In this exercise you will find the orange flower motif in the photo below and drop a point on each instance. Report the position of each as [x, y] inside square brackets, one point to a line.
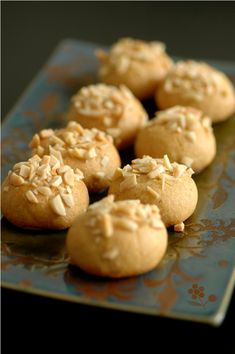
[196, 291]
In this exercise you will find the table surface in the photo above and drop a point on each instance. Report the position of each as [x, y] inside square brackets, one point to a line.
[30, 31]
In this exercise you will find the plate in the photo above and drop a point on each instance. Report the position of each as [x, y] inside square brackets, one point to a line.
[196, 278]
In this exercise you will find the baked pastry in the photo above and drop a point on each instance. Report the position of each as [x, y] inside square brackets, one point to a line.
[157, 181]
[183, 133]
[90, 150]
[135, 63]
[198, 85]
[43, 194]
[117, 239]
[112, 109]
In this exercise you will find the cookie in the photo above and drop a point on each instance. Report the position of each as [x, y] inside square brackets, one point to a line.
[158, 181]
[111, 109]
[90, 150]
[117, 239]
[198, 85]
[139, 65]
[42, 193]
[183, 133]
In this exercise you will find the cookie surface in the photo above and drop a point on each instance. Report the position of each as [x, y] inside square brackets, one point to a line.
[43, 194]
[157, 181]
[117, 239]
[89, 150]
[183, 133]
[196, 84]
[112, 109]
[139, 65]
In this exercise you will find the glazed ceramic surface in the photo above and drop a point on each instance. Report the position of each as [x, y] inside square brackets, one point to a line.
[196, 277]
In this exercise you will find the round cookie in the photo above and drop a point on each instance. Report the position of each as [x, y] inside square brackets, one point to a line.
[183, 133]
[112, 109]
[117, 239]
[89, 150]
[198, 85]
[139, 65]
[43, 194]
[157, 181]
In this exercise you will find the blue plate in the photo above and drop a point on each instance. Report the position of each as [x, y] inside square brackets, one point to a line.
[196, 278]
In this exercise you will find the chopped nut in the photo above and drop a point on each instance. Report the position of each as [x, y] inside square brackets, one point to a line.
[156, 172]
[35, 141]
[99, 175]
[179, 227]
[24, 171]
[92, 153]
[31, 197]
[63, 169]
[58, 206]
[69, 177]
[153, 192]
[107, 225]
[40, 150]
[56, 154]
[117, 174]
[167, 163]
[16, 180]
[68, 199]
[56, 181]
[125, 224]
[129, 182]
[46, 133]
[112, 254]
[46, 160]
[44, 190]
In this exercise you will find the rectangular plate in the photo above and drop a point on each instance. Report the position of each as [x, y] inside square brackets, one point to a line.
[196, 278]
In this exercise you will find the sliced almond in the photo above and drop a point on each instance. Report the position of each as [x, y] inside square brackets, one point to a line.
[16, 180]
[167, 163]
[179, 227]
[24, 171]
[111, 254]
[31, 197]
[69, 177]
[129, 182]
[44, 190]
[35, 141]
[56, 181]
[153, 192]
[68, 199]
[92, 153]
[46, 133]
[58, 206]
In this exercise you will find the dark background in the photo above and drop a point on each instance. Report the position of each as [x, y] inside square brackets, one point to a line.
[30, 31]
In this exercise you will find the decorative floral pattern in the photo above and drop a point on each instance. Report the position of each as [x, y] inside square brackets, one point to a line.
[41, 258]
[197, 293]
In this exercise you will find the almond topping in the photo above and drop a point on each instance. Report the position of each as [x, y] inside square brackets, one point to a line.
[105, 161]
[167, 163]
[125, 224]
[31, 197]
[58, 206]
[153, 192]
[35, 141]
[16, 180]
[24, 171]
[44, 190]
[107, 225]
[191, 136]
[112, 254]
[56, 181]
[92, 153]
[69, 177]
[179, 227]
[46, 133]
[129, 182]
[68, 200]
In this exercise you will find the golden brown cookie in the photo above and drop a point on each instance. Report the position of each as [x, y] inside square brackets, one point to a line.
[198, 85]
[43, 194]
[117, 239]
[112, 109]
[157, 181]
[183, 133]
[90, 150]
[139, 65]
